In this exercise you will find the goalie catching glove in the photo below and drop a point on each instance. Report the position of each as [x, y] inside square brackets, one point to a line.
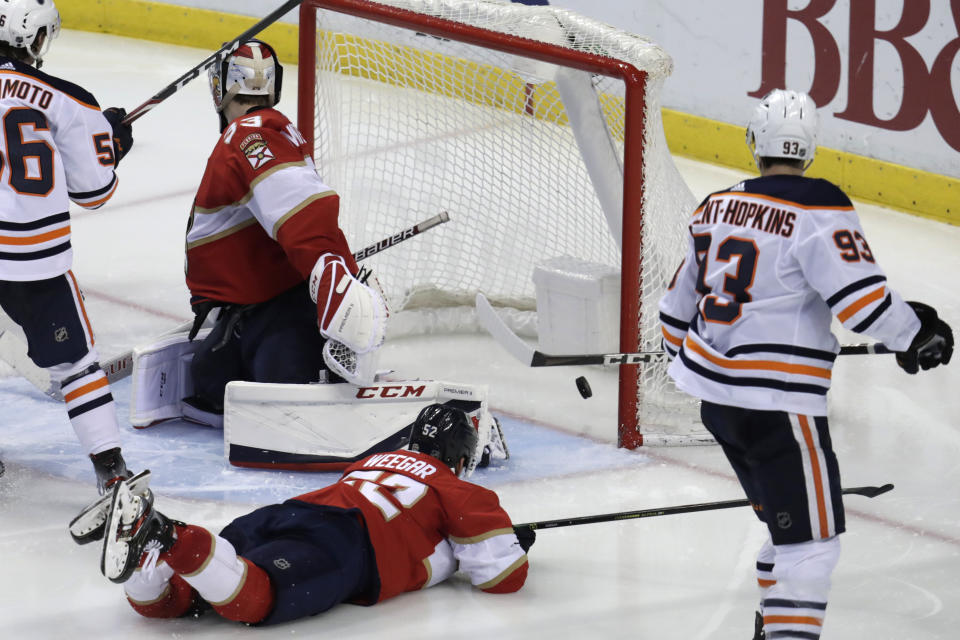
[348, 311]
[933, 344]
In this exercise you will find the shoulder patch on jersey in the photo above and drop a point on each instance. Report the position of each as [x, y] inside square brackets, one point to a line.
[256, 150]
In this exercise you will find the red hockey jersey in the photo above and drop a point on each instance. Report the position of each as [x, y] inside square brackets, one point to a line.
[423, 521]
[262, 216]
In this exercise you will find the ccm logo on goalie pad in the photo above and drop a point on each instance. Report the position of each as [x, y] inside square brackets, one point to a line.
[394, 391]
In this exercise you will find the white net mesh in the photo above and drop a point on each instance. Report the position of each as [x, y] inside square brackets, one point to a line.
[408, 125]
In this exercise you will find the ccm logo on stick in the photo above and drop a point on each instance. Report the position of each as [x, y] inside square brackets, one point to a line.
[394, 391]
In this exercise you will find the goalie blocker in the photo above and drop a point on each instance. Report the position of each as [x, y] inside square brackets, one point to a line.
[326, 427]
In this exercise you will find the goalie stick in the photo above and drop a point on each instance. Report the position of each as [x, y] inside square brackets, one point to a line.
[519, 349]
[869, 492]
[215, 59]
[14, 352]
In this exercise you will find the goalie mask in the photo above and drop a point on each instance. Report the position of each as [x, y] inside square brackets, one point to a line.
[30, 25]
[784, 125]
[447, 434]
[252, 70]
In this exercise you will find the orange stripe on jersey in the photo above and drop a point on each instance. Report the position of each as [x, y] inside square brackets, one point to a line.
[671, 339]
[83, 310]
[766, 583]
[873, 296]
[87, 388]
[767, 365]
[97, 203]
[760, 196]
[792, 620]
[37, 239]
[817, 480]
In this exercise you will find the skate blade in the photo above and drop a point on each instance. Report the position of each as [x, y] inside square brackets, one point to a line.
[88, 526]
[115, 561]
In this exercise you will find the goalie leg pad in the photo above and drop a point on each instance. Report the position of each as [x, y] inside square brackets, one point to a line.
[328, 427]
[162, 378]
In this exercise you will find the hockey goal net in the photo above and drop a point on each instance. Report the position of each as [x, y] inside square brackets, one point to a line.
[537, 129]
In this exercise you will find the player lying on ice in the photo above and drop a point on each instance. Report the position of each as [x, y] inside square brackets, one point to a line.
[394, 522]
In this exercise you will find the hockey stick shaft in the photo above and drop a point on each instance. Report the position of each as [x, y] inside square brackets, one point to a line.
[869, 492]
[215, 59]
[495, 326]
[406, 234]
[13, 351]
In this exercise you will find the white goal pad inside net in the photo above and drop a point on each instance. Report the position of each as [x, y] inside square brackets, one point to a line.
[531, 126]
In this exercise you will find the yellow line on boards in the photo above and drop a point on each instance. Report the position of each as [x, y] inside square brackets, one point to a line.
[922, 193]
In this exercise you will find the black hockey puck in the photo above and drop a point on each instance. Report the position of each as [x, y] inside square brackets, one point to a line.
[584, 387]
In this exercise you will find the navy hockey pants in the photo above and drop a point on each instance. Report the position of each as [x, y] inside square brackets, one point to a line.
[52, 316]
[786, 466]
[275, 341]
[316, 556]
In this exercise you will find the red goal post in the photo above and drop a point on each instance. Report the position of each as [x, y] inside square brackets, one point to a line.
[443, 21]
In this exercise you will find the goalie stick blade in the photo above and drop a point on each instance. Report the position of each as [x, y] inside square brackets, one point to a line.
[506, 338]
[90, 523]
[13, 351]
[490, 320]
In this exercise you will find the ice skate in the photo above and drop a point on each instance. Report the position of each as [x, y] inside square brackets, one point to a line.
[90, 523]
[133, 526]
[496, 446]
[109, 466]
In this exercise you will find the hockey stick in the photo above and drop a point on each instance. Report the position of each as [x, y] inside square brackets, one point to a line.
[519, 349]
[215, 59]
[406, 234]
[14, 352]
[869, 492]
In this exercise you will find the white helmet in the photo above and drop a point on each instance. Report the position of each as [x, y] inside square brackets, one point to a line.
[22, 22]
[252, 70]
[784, 125]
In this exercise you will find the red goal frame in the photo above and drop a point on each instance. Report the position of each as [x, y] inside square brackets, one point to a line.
[635, 81]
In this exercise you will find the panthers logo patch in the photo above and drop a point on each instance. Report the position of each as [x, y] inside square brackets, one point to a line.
[255, 148]
[258, 154]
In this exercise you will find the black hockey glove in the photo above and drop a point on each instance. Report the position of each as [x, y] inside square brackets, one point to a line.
[122, 133]
[527, 536]
[933, 344]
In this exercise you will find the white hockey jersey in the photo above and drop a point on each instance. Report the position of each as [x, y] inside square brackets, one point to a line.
[747, 316]
[57, 147]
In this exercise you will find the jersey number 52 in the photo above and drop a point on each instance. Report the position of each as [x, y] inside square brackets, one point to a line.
[389, 492]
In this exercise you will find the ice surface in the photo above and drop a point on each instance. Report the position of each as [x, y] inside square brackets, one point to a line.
[685, 577]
